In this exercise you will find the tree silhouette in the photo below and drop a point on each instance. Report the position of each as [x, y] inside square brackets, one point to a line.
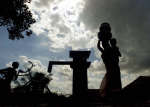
[16, 16]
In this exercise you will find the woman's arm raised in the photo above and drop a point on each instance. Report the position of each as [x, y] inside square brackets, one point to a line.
[99, 47]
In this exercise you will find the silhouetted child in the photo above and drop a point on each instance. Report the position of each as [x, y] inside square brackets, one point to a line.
[116, 79]
[10, 74]
[104, 34]
[115, 50]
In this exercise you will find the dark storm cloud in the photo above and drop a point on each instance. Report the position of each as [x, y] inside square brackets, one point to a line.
[130, 21]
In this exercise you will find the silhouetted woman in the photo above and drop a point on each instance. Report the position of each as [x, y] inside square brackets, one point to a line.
[110, 55]
[106, 84]
[104, 34]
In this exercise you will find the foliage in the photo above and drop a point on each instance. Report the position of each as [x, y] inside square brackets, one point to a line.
[16, 16]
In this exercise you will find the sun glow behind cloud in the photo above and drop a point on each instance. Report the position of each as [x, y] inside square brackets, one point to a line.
[60, 23]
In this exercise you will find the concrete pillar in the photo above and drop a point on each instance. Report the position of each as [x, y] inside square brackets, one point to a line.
[80, 66]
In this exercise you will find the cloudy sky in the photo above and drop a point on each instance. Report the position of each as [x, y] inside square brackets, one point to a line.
[64, 25]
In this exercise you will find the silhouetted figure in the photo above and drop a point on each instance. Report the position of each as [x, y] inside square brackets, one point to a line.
[115, 54]
[110, 55]
[104, 33]
[106, 86]
[10, 74]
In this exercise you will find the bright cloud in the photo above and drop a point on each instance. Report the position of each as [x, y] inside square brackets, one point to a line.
[59, 22]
